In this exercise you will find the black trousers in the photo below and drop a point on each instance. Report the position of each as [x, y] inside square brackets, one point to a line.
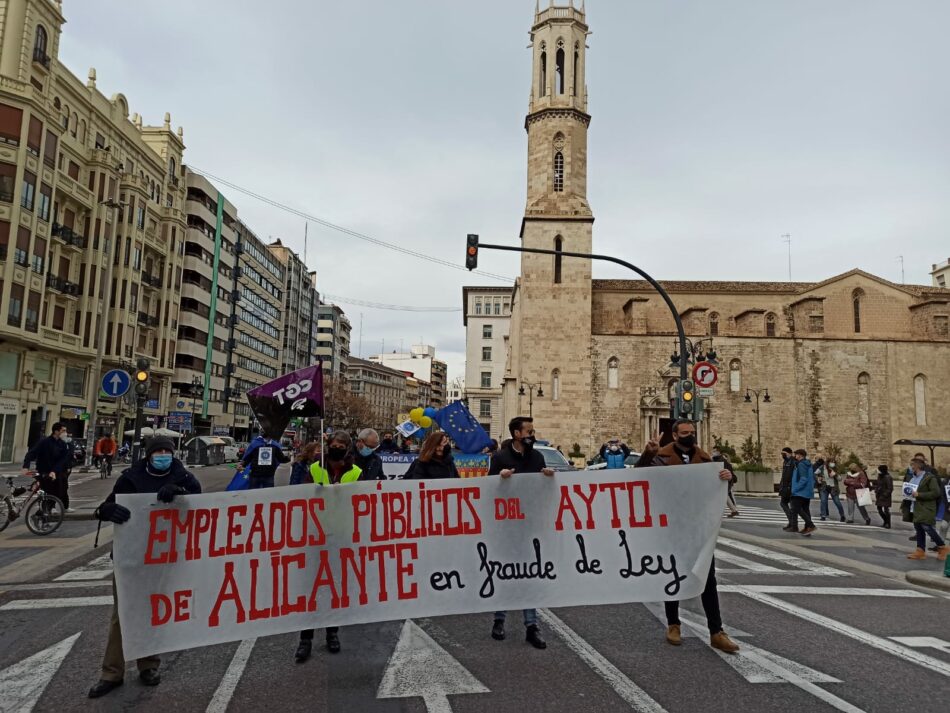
[710, 600]
[785, 501]
[801, 507]
[307, 634]
[885, 512]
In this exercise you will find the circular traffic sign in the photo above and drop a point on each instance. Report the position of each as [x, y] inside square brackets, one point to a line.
[115, 383]
[705, 374]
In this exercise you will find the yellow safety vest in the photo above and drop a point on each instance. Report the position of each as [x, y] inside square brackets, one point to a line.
[322, 477]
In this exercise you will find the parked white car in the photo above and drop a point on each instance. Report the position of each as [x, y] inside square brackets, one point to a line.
[231, 448]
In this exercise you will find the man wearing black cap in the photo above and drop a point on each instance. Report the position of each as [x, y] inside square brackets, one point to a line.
[161, 473]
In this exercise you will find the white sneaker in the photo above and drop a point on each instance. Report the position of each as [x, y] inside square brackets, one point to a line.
[69, 510]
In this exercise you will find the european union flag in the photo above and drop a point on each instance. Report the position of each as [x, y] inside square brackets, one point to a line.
[468, 434]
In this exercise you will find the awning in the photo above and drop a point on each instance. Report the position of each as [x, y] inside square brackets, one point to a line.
[926, 443]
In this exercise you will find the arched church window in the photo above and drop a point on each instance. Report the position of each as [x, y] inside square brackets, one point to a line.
[856, 298]
[559, 67]
[575, 77]
[920, 399]
[613, 373]
[770, 325]
[556, 385]
[864, 397]
[558, 246]
[559, 163]
[543, 72]
[714, 324]
[735, 375]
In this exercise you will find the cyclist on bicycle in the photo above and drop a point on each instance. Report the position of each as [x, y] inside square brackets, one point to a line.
[105, 449]
[52, 455]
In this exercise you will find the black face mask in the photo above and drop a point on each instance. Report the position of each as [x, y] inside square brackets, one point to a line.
[686, 442]
[336, 453]
[528, 442]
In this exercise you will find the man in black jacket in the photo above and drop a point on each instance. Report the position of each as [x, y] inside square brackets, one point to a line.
[519, 456]
[163, 474]
[263, 456]
[53, 458]
[369, 462]
[785, 487]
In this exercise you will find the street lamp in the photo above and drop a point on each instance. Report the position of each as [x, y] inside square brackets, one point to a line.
[532, 389]
[695, 352]
[764, 392]
[197, 387]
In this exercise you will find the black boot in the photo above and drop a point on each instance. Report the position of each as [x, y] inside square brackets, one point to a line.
[103, 687]
[533, 637]
[333, 642]
[498, 630]
[303, 650]
[150, 677]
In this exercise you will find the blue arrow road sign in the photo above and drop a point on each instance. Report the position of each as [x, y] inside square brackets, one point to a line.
[116, 382]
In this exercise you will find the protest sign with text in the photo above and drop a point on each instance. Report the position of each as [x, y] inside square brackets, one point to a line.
[222, 567]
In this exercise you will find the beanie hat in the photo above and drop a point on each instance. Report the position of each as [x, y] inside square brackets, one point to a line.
[159, 443]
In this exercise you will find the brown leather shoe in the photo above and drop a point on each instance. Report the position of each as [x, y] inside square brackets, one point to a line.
[918, 554]
[943, 552]
[673, 635]
[722, 642]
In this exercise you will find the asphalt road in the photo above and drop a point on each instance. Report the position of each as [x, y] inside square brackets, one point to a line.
[817, 619]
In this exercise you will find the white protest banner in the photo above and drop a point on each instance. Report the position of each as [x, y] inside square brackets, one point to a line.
[222, 567]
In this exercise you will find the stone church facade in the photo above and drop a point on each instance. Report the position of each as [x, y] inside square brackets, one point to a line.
[854, 360]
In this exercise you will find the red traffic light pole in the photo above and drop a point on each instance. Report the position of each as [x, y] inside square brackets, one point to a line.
[617, 261]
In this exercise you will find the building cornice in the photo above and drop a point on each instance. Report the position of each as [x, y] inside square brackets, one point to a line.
[556, 112]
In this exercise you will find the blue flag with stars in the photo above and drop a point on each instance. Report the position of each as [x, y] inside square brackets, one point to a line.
[459, 423]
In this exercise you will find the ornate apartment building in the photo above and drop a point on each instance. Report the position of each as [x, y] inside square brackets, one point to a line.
[487, 320]
[66, 150]
[382, 387]
[301, 301]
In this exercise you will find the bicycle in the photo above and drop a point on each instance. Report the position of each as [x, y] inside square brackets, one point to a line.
[105, 466]
[43, 512]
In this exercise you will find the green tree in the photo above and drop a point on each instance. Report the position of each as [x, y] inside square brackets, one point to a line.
[726, 448]
[751, 451]
[833, 453]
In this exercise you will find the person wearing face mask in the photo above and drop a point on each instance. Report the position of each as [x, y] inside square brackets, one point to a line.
[718, 457]
[883, 490]
[367, 443]
[614, 452]
[161, 473]
[53, 458]
[857, 478]
[337, 469]
[518, 456]
[684, 451]
[435, 459]
[831, 488]
[785, 486]
[922, 493]
[300, 471]
[803, 490]
[263, 456]
[388, 444]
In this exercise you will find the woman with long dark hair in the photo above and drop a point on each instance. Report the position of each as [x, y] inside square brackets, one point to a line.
[300, 472]
[435, 459]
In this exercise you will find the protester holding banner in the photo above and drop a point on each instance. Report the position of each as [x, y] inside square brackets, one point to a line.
[339, 469]
[369, 462]
[435, 459]
[684, 451]
[518, 456]
[300, 471]
[166, 476]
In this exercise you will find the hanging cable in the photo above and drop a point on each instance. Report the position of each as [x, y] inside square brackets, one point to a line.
[396, 308]
[346, 231]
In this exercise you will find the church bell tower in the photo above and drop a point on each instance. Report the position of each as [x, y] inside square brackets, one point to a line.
[551, 339]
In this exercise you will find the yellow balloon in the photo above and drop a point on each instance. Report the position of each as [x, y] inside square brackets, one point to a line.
[425, 422]
[415, 415]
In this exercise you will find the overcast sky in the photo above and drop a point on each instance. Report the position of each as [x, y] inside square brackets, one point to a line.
[717, 127]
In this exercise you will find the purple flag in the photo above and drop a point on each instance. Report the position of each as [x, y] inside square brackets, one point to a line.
[295, 395]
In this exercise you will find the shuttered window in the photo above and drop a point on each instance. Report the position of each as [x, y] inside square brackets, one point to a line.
[11, 121]
[35, 136]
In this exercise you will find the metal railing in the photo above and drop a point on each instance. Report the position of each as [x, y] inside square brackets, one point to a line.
[69, 236]
[41, 57]
[62, 286]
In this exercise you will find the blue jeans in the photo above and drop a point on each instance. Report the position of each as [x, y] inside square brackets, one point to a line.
[258, 483]
[530, 616]
[823, 494]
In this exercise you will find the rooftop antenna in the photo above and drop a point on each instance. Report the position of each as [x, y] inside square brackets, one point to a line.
[787, 238]
[900, 259]
[361, 335]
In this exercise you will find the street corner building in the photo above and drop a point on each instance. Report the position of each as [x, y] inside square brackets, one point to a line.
[854, 359]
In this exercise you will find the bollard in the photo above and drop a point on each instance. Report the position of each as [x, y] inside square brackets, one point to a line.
[946, 567]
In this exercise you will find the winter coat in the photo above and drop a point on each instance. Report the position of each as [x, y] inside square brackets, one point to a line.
[432, 469]
[507, 458]
[785, 484]
[300, 473]
[260, 467]
[137, 479]
[615, 459]
[883, 490]
[929, 494]
[832, 483]
[803, 480]
[855, 481]
[51, 455]
[371, 465]
[671, 455]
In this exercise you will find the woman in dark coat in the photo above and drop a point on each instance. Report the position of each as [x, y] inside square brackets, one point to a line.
[435, 459]
[883, 489]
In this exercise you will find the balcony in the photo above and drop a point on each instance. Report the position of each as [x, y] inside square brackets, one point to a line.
[147, 320]
[41, 58]
[150, 280]
[64, 287]
[173, 181]
[69, 237]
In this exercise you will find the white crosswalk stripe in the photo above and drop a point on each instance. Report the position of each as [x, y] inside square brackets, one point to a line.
[774, 515]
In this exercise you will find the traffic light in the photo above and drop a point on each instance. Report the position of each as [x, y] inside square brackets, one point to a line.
[142, 367]
[685, 400]
[471, 252]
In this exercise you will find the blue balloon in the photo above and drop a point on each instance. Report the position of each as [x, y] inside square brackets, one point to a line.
[430, 412]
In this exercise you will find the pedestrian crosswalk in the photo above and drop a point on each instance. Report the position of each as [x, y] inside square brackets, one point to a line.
[773, 514]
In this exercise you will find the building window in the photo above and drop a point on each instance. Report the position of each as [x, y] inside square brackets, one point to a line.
[43, 370]
[486, 331]
[856, 298]
[556, 385]
[9, 370]
[15, 312]
[942, 325]
[34, 136]
[32, 322]
[46, 197]
[484, 408]
[864, 398]
[478, 306]
[714, 324]
[558, 247]
[613, 373]
[486, 379]
[735, 376]
[816, 323]
[558, 172]
[11, 121]
[770, 325]
[75, 382]
[920, 399]
[7, 182]
[543, 73]
[39, 255]
[21, 252]
[28, 190]
[40, 43]
[486, 353]
[559, 69]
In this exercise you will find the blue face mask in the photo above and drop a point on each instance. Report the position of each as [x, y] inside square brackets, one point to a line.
[161, 462]
[366, 451]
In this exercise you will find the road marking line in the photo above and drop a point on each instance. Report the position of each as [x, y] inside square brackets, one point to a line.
[99, 568]
[890, 647]
[748, 564]
[225, 691]
[765, 661]
[787, 559]
[64, 603]
[22, 684]
[636, 697]
[841, 591]
[795, 572]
